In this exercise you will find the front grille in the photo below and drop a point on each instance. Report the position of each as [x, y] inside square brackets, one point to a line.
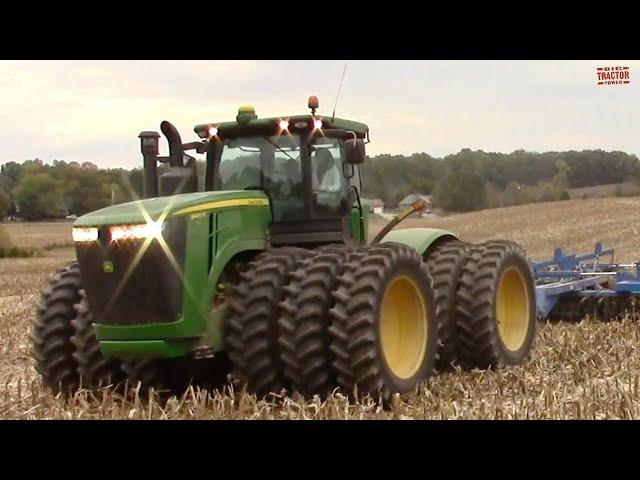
[150, 293]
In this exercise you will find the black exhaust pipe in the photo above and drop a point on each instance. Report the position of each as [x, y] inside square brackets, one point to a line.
[175, 144]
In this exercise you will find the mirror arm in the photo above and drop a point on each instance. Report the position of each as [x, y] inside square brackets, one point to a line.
[345, 170]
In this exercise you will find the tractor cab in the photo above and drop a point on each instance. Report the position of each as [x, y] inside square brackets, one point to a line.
[307, 165]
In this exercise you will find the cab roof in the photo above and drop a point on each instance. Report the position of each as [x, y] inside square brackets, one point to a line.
[270, 125]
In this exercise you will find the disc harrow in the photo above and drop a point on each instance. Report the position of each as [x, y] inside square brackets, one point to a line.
[575, 287]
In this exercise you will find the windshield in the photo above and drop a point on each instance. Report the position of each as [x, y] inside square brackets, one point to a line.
[274, 164]
[271, 164]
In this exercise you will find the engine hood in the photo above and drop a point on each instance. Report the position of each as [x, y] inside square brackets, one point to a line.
[185, 204]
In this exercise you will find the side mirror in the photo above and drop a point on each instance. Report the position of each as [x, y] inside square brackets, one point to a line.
[354, 151]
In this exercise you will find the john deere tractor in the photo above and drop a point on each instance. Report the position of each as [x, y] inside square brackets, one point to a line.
[262, 269]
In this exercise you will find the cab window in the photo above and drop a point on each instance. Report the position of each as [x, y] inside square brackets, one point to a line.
[328, 184]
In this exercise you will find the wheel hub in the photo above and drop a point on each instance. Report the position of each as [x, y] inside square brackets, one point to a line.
[512, 309]
[403, 326]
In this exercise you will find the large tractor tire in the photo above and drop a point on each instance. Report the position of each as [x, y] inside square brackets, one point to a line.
[384, 329]
[253, 332]
[445, 264]
[51, 333]
[495, 306]
[238, 294]
[304, 322]
[95, 369]
[64, 345]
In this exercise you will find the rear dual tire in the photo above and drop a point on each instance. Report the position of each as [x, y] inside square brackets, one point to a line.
[495, 306]
[383, 326]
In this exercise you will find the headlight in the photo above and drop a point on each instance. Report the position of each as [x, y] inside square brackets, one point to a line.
[84, 234]
[138, 231]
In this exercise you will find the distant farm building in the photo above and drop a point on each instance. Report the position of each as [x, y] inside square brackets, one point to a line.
[409, 200]
[375, 204]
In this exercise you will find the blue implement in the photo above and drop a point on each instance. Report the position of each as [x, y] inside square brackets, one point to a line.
[569, 277]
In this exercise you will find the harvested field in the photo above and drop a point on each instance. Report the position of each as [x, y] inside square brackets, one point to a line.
[586, 370]
[540, 227]
[40, 234]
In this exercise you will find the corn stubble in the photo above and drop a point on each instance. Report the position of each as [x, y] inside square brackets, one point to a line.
[585, 370]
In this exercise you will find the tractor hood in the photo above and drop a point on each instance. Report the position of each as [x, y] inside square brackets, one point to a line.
[185, 204]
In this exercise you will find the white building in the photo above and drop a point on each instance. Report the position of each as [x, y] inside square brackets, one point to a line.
[375, 204]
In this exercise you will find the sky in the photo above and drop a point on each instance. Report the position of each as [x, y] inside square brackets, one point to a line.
[93, 110]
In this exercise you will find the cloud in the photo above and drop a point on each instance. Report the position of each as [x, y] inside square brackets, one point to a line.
[93, 110]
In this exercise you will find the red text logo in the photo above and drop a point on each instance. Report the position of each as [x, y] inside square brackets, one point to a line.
[612, 75]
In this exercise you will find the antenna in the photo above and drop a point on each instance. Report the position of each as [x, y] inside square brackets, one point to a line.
[339, 90]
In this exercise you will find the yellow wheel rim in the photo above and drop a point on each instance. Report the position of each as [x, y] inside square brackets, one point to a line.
[512, 309]
[403, 326]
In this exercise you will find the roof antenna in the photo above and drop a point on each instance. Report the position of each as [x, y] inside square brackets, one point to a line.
[338, 95]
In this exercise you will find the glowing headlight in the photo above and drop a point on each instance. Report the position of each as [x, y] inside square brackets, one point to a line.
[139, 231]
[84, 234]
[317, 124]
[212, 131]
[283, 124]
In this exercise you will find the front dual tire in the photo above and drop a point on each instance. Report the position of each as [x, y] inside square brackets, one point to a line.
[67, 353]
[63, 345]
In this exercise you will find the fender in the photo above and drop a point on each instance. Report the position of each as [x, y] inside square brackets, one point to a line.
[421, 239]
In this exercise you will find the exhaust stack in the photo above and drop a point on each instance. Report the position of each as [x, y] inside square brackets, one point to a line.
[149, 148]
[175, 143]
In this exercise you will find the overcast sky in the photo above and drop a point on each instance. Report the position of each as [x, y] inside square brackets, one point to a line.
[93, 110]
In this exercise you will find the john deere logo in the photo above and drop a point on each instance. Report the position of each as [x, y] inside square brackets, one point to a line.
[107, 266]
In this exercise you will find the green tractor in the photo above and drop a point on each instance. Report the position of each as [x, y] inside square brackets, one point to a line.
[262, 269]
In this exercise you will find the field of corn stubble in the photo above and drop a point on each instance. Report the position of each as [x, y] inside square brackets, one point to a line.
[587, 370]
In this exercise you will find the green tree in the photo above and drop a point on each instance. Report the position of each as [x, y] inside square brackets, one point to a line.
[461, 192]
[512, 195]
[38, 196]
[548, 193]
[10, 174]
[5, 204]
[85, 191]
[136, 182]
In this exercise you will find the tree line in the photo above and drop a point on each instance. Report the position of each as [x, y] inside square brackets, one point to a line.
[464, 181]
[34, 190]
[474, 179]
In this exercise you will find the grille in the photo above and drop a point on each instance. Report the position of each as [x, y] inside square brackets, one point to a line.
[152, 291]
